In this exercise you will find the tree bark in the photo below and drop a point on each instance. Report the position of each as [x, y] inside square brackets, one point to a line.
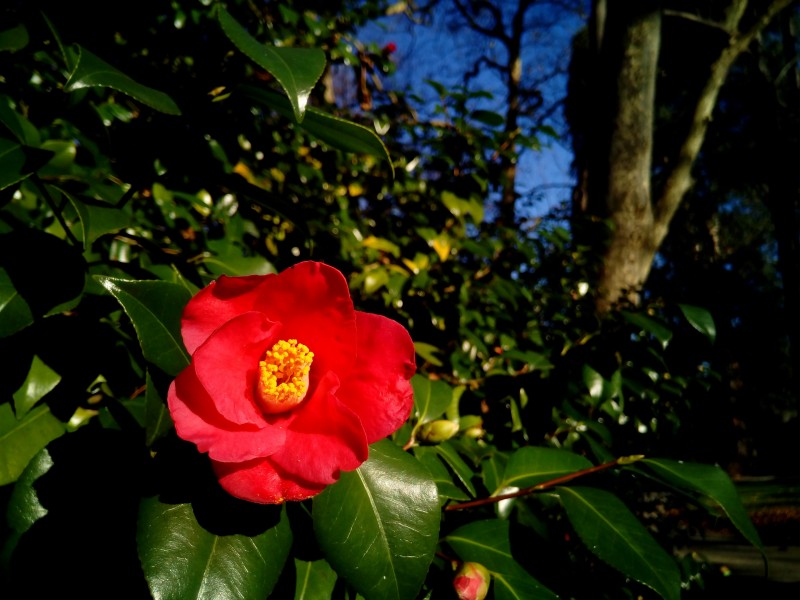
[615, 173]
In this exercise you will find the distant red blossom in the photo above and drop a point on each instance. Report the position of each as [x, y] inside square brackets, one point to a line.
[288, 384]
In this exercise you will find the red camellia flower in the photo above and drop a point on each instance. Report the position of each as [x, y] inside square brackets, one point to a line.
[288, 384]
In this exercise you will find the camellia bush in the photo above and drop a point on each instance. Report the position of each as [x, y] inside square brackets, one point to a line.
[250, 349]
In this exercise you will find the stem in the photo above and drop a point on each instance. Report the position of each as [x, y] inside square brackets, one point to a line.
[624, 460]
[56, 211]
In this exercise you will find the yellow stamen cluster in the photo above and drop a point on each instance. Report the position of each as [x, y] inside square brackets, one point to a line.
[283, 376]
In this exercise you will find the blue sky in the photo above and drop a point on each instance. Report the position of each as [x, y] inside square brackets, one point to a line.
[436, 51]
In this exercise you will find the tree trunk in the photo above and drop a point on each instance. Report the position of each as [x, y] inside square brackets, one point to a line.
[612, 119]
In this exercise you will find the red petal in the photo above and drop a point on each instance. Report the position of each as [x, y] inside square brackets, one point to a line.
[312, 302]
[216, 304]
[378, 390]
[311, 299]
[197, 421]
[323, 437]
[227, 366]
[259, 481]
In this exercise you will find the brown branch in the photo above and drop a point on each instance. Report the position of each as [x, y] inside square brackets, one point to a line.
[679, 179]
[624, 460]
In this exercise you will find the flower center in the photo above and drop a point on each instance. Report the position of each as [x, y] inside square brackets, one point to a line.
[283, 376]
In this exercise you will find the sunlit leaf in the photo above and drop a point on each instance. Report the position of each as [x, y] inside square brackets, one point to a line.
[296, 69]
[24, 508]
[428, 352]
[40, 381]
[431, 397]
[610, 530]
[378, 525]
[21, 440]
[183, 561]
[710, 481]
[92, 71]
[155, 309]
[533, 465]
[337, 133]
[429, 457]
[15, 314]
[315, 580]
[461, 208]
[487, 542]
[97, 218]
[701, 320]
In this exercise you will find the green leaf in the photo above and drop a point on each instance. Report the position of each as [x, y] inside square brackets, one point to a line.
[40, 381]
[15, 313]
[429, 457]
[701, 320]
[533, 465]
[651, 326]
[181, 560]
[487, 542]
[337, 133]
[710, 481]
[378, 525]
[155, 308]
[615, 535]
[431, 397]
[461, 208]
[97, 218]
[12, 163]
[14, 39]
[296, 69]
[21, 440]
[488, 118]
[157, 420]
[462, 470]
[315, 580]
[24, 508]
[92, 71]
[428, 353]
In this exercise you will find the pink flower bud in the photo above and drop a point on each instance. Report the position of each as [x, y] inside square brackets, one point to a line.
[472, 581]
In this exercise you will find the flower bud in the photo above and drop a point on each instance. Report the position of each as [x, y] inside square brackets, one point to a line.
[472, 581]
[436, 432]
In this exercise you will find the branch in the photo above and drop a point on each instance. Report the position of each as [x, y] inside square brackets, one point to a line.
[624, 460]
[679, 179]
[498, 31]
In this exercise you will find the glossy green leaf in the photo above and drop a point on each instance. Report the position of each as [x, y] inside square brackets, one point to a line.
[700, 319]
[431, 397]
[462, 470]
[97, 218]
[710, 481]
[378, 525]
[155, 309]
[12, 163]
[655, 328]
[183, 561]
[315, 580]
[610, 530]
[24, 508]
[337, 133]
[92, 71]
[15, 313]
[21, 440]
[157, 420]
[296, 69]
[487, 542]
[40, 381]
[533, 465]
[429, 457]
[14, 39]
